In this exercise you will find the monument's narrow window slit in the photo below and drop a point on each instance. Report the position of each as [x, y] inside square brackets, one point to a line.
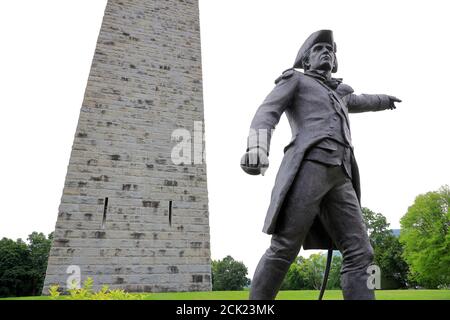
[105, 209]
[170, 212]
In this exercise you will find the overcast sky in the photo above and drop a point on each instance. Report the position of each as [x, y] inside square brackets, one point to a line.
[399, 48]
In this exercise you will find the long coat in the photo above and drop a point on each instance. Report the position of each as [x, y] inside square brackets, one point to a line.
[310, 107]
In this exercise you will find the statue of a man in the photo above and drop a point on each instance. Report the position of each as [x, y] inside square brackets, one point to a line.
[315, 202]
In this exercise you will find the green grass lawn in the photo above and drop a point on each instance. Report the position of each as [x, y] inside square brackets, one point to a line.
[285, 295]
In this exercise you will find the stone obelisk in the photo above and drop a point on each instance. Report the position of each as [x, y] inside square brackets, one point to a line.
[130, 216]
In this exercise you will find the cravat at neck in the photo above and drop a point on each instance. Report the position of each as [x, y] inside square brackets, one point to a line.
[333, 83]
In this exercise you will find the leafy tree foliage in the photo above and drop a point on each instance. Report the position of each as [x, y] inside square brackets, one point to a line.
[388, 251]
[377, 226]
[39, 249]
[229, 274]
[334, 278]
[295, 278]
[23, 265]
[314, 268]
[307, 273]
[426, 238]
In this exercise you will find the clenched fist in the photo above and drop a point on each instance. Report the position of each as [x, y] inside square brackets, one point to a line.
[255, 161]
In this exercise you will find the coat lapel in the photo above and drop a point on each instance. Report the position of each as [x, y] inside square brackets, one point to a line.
[339, 106]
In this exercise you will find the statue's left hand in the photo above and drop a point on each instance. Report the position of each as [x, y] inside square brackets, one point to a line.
[392, 101]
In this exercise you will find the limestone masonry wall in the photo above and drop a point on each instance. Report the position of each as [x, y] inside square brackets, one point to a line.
[129, 217]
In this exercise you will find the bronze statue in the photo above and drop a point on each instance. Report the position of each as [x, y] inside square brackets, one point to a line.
[315, 202]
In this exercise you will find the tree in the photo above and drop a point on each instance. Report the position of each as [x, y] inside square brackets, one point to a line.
[314, 268]
[14, 268]
[228, 274]
[426, 238]
[394, 269]
[39, 247]
[307, 273]
[334, 279]
[295, 278]
[387, 251]
[376, 225]
[23, 266]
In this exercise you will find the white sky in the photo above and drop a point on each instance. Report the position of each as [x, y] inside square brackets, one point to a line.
[399, 48]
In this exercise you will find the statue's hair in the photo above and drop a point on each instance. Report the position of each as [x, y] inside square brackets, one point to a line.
[306, 59]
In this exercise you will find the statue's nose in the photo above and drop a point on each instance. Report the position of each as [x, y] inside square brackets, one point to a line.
[327, 52]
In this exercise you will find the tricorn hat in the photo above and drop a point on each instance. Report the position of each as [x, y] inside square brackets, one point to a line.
[316, 37]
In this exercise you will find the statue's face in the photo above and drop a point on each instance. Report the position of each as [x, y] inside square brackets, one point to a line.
[321, 57]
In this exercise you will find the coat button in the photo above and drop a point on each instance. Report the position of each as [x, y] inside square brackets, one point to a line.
[335, 118]
[330, 133]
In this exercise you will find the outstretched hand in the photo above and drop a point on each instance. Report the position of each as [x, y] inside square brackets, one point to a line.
[392, 101]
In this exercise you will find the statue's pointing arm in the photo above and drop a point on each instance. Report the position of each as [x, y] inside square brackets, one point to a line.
[370, 102]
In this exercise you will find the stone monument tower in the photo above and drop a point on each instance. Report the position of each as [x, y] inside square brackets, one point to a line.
[130, 216]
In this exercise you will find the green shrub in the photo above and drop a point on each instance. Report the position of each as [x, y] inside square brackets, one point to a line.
[54, 292]
[86, 292]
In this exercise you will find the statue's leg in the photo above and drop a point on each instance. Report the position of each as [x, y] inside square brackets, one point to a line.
[301, 206]
[343, 221]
